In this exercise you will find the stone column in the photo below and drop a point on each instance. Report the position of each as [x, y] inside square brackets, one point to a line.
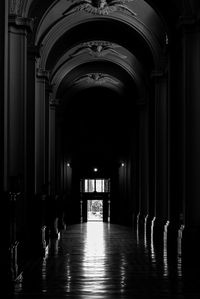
[109, 208]
[4, 221]
[33, 55]
[190, 31]
[143, 167]
[52, 139]
[161, 152]
[15, 123]
[81, 210]
[3, 92]
[40, 129]
[17, 89]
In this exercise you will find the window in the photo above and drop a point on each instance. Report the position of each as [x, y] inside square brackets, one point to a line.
[96, 185]
[100, 185]
[89, 186]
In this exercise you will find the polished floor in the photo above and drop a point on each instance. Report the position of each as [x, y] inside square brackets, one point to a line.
[96, 260]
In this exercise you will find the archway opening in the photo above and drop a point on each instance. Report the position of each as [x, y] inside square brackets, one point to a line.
[95, 210]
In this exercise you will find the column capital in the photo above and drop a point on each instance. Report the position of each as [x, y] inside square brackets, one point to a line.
[158, 74]
[53, 103]
[188, 24]
[42, 74]
[20, 22]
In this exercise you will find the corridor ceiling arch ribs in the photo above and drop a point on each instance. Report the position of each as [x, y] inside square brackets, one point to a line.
[73, 72]
[97, 50]
[64, 32]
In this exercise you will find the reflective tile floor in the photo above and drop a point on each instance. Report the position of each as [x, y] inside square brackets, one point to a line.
[96, 260]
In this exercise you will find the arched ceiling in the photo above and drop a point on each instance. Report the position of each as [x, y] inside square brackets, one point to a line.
[100, 54]
[72, 33]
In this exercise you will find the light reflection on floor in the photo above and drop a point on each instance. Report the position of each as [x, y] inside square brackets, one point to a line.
[94, 259]
[97, 260]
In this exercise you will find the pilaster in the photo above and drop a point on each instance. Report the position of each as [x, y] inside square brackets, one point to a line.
[52, 139]
[33, 53]
[143, 167]
[189, 30]
[17, 95]
[41, 100]
[161, 204]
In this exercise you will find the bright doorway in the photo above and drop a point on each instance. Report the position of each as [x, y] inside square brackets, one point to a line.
[95, 210]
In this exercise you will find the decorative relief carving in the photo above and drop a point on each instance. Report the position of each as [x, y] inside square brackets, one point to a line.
[99, 7]
[96, 78]
[16, 7]
[98, 49]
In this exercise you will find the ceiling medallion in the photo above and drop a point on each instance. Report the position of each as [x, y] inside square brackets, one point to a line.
[99, 7]
[96, 78]
[98, 49]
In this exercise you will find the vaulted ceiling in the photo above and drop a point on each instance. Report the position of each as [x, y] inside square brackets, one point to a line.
[100, 56]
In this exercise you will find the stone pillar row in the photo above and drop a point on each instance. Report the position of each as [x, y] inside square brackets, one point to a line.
[176, 202]
[29, 141]
[17, 102]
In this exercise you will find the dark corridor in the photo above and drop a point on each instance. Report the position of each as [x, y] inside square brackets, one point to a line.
[100, 89]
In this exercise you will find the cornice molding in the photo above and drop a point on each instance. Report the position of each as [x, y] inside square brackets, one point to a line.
[42, 74]
[20, 22]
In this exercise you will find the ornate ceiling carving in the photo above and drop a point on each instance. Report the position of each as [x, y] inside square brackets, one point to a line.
[99, 7]
[137, 18]
[96, 79]
[98, 49]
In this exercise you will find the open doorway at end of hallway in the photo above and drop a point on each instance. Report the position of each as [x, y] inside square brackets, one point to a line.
[95, 210]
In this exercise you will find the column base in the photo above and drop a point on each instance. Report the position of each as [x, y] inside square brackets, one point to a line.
[171, 235]
[148, 226]
[143, 226]
[140, 224]
[157, 229]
